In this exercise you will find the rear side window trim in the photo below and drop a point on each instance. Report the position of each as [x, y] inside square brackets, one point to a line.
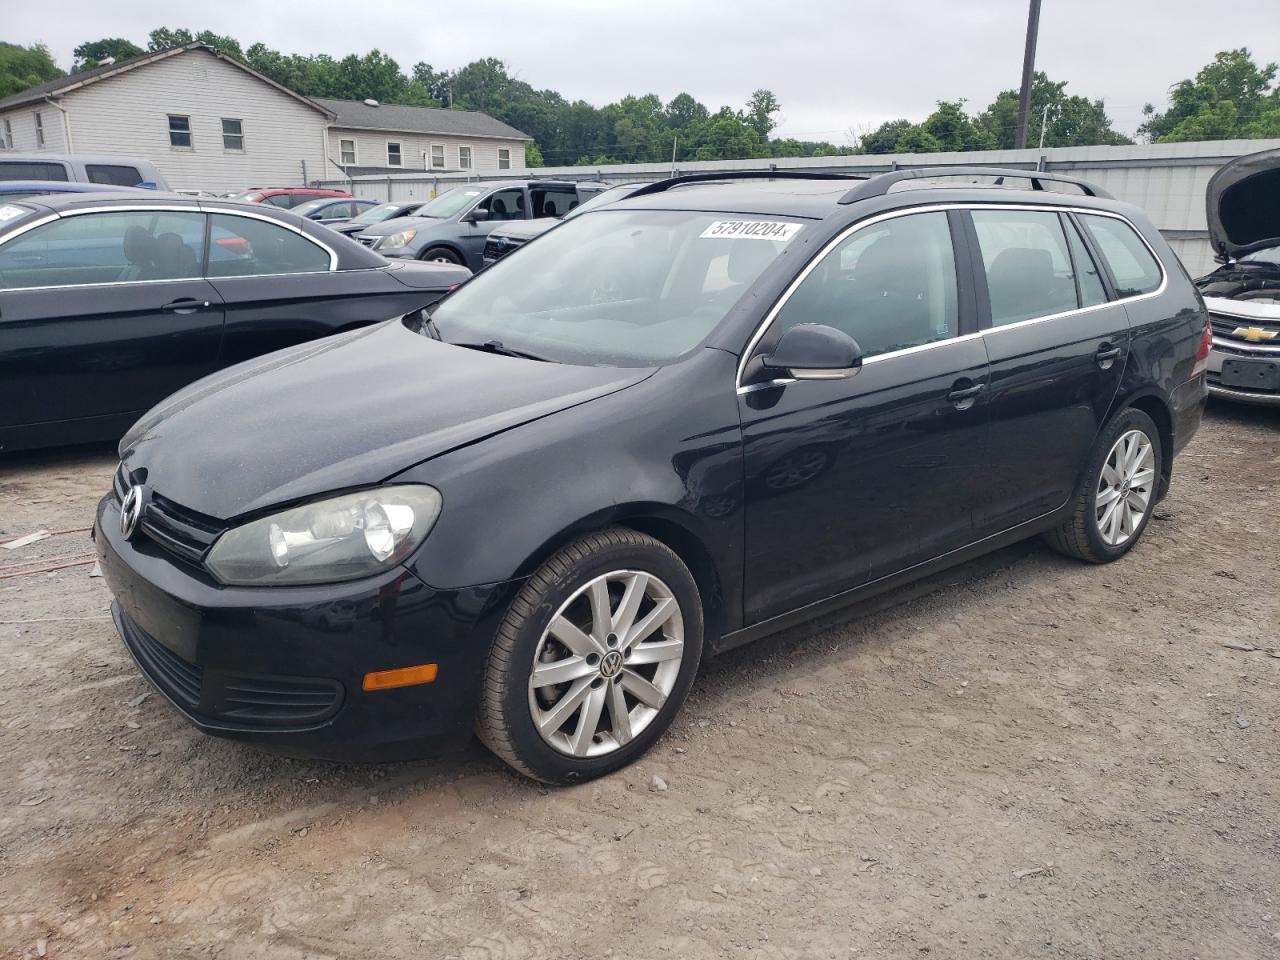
[839, 238]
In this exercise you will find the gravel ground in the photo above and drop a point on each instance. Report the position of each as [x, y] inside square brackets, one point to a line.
[1031, 758]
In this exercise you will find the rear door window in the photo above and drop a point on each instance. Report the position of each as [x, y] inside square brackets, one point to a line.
[119, 175]
[1028, 268]
[247, 247]
[1088, 278]
[1131, 263]
[31, 170]
[105, 248]
[553, 202]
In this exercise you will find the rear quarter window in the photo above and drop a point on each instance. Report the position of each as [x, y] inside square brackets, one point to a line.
[32, 170]
[118, 175]
[1132, 265]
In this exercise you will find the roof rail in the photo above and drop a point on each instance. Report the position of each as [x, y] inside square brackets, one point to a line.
[661, 186]
[879, 185]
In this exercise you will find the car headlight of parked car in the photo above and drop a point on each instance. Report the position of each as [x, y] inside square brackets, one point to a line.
[341, 538]
[398, 240]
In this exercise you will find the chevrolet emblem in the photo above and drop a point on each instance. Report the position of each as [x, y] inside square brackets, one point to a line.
[1254, 334]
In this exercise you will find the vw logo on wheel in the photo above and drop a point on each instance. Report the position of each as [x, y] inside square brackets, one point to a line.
[611, 664]
[135, 501]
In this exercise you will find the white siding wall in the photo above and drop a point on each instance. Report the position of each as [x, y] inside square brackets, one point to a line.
[127, 115]
[371, 150]
[22, 122]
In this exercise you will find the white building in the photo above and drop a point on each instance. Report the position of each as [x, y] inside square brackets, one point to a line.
[209, 122]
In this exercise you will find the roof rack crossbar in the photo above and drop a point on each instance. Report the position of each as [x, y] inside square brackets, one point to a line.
[661, 186]
[879, 185]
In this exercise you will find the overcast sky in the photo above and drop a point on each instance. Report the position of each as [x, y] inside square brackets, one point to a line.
[835, 65]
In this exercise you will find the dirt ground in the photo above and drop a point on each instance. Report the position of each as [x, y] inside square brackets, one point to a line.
[1037, 758]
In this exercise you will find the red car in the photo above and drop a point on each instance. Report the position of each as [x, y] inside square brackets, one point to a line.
[286, 197]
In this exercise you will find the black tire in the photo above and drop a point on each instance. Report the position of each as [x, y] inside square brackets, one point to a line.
[504, 721]
[441, 254]
[1079, 536]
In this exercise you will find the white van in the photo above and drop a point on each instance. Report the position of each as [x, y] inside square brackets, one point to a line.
[118, 171]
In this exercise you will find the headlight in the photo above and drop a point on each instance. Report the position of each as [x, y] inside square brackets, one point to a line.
[398, 240]
[341, 538]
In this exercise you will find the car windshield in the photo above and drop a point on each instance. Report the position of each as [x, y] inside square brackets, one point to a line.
[305, 208]
[383, 211]
[447, 204]
[612, 195]
[627, 288]
[1268, 255]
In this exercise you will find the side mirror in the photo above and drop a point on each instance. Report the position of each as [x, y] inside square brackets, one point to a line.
[813, 351]
[478, 215]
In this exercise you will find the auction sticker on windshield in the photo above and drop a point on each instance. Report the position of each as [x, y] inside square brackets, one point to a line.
[778, 231]
[8, 212]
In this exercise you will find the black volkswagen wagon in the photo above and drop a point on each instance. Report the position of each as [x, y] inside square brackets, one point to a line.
[666, 428]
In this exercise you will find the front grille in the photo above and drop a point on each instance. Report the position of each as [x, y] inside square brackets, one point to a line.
[277, 700]
[496, 248]
[172, 674]
[181, 532]
[1225, 327]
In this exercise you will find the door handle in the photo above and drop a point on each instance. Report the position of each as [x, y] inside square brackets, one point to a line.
[185, 305]
[964, 397]
[1106, 355]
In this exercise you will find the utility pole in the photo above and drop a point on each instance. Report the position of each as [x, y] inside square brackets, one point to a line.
[674, 141]
[1028, 72]
[1044, 123]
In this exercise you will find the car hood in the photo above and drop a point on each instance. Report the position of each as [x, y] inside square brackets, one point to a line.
[1242, 204]
[1243, 280]
[526, 229]
[342, 412]
[387, 227]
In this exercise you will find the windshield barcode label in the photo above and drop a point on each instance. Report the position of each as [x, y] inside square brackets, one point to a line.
[775, 230]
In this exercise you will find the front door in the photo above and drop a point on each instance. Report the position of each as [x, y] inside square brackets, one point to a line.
[854, 479]
[1057, 348]
[104, 314]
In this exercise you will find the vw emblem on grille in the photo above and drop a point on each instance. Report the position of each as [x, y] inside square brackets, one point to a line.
[135, 502]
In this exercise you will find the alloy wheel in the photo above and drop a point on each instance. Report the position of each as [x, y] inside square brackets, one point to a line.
[1125, 488]
[606, 663]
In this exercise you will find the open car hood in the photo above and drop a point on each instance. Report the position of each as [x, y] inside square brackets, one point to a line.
[1242, 204]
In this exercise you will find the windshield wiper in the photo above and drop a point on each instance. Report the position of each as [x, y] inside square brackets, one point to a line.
[496, 346]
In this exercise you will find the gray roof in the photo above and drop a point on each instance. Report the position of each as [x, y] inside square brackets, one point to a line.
[75, 80]
[355, 115]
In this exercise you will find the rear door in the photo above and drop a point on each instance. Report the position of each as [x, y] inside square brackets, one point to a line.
[280, 289]
[104, 314]
[1058, 347]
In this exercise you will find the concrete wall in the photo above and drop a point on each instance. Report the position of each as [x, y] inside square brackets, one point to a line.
[1167, 180]
[127, 116]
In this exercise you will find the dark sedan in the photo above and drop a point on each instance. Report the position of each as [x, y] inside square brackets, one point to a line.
[674, 424]
[110, 302]
[332, 211]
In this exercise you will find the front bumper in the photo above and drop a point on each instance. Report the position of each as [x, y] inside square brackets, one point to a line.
[283, 667]
[1223, 352]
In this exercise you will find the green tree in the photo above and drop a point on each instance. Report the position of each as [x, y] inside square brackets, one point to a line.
[23, 67]
[1230, 97]
[532, 155]
[916, 139]
[91, 54]
[952, 128]
[1073, 121]
[684, 111]
[759, 113]
[884, 138]
[162, 38]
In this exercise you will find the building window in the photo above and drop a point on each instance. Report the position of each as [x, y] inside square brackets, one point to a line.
[464, 158]
[6, 135]
[233, 135]
[504, 158]
[394, 159]
[39, 129]
[347, 152]
[437, 156]
[179, 132]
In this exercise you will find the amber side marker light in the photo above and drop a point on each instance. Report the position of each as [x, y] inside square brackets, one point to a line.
[403, 677]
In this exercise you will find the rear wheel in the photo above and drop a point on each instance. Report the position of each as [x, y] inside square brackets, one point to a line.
[440, 255]
[593, 660]
[1117, 493]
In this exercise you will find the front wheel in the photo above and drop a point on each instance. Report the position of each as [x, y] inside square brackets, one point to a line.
[593, 659]
[1117, 493]
[440, 255]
